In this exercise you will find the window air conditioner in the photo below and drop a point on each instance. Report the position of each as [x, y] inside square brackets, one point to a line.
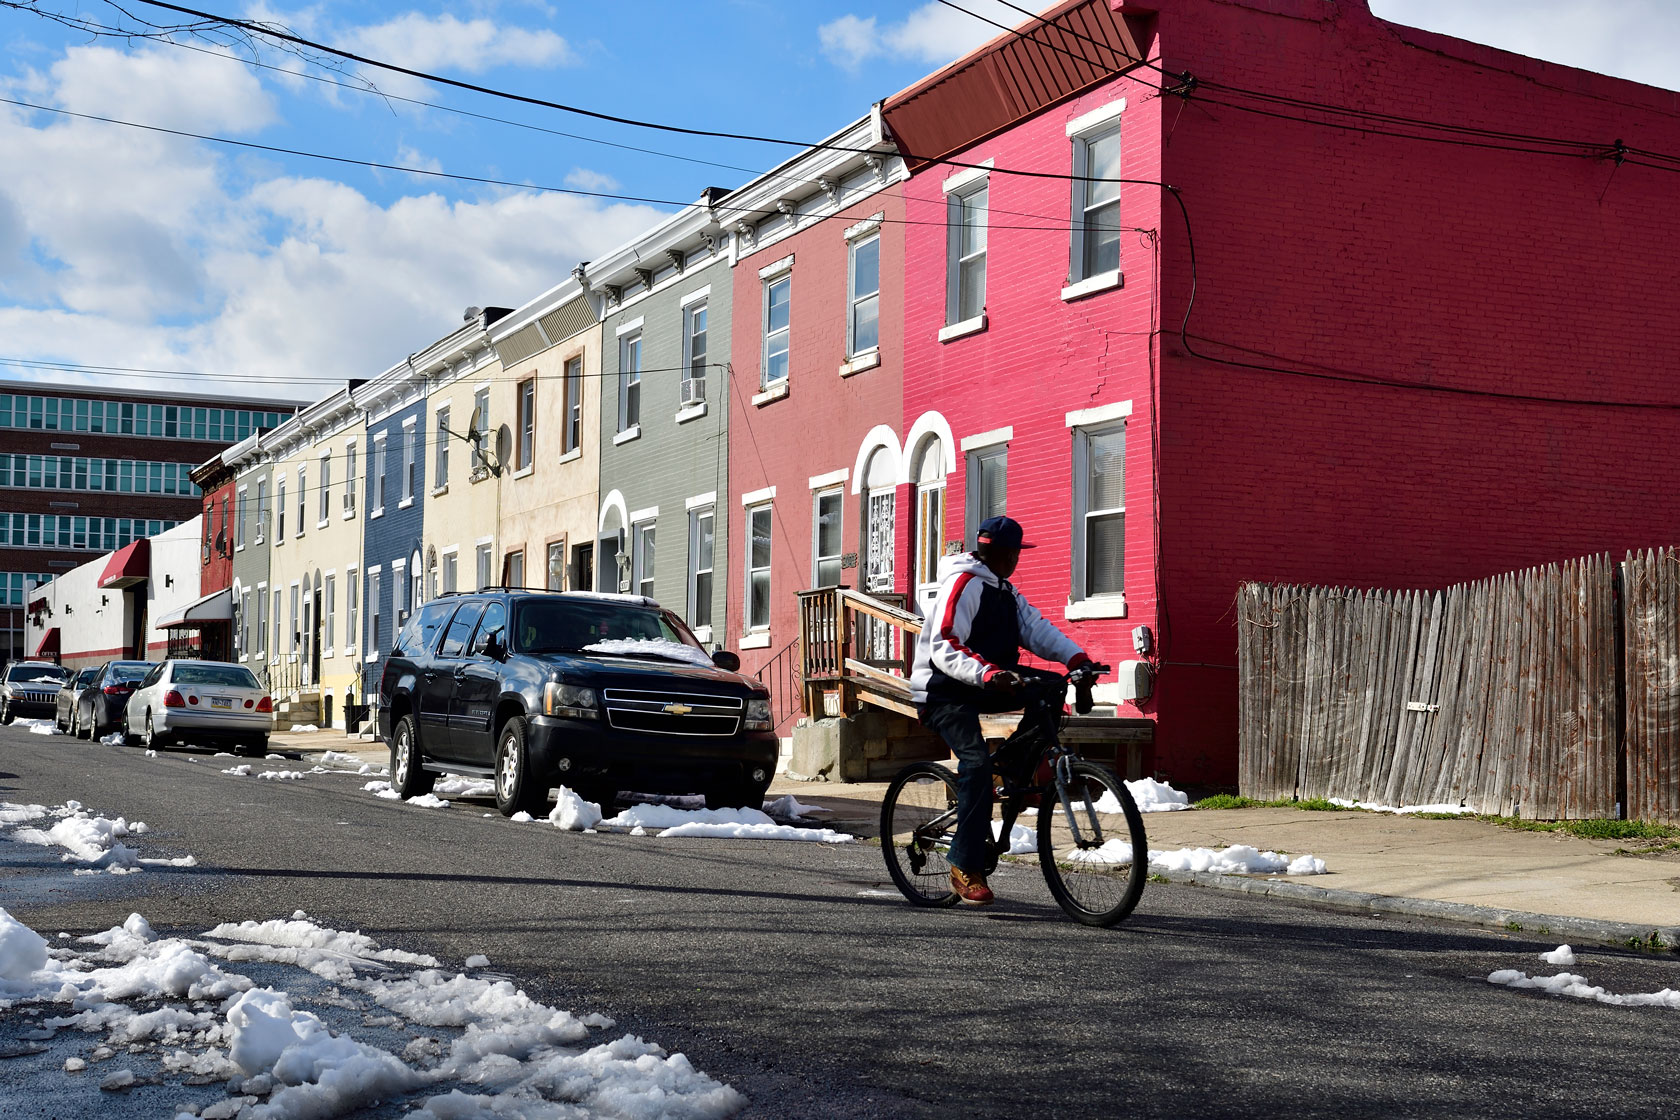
[693, 391]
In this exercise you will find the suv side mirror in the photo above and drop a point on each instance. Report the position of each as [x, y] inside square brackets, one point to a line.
[494, 647]
[727, 661]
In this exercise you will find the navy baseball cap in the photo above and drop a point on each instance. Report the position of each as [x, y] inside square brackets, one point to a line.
[1003, 532]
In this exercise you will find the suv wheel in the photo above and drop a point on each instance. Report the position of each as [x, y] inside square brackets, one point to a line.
[408, 777]
[5, 712]
[517, 789]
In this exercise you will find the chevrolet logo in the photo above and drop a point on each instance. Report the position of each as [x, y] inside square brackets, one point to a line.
[677, 709]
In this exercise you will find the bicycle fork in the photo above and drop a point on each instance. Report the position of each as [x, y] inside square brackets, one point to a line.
[1064, 778]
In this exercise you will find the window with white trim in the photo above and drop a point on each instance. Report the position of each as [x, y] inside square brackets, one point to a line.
[965, 268]
[758, 567]
[350, 479]
[440, 465]
[351, 587]
[701, 548]
[275, 647]
[524, 448]
[326, 487]
[826, 537]
[986, 485]
[261, 627]
[302, 497]
[480, 430]
[262, 508]
[279, 508]
[375, 606]
[451, 560]
[239, 523]
[244, 623]
[292, 627]
[863, 292]
[629, 380]
[376, 480]
[574, 406]
[694, 340]
[329, 604]
[410, 443]
[930, 519]
[1099, 511]
[485, 560]
[642, 557]
[778, 295]
[513, 569]
[1096, 205]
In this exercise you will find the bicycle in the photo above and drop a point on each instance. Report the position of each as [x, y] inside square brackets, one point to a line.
[1090, 838]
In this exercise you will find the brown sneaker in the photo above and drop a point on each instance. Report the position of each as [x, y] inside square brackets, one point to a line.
[971, 890]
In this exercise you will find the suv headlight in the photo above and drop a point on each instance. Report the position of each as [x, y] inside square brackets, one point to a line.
[758, 713]
[570, 700]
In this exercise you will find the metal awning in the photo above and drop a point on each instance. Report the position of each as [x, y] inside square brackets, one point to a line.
[214, 607]
[49, 644]
[128, 566]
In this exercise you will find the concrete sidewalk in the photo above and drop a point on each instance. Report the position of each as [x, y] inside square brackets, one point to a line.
[1471, 871]
[1461, 870]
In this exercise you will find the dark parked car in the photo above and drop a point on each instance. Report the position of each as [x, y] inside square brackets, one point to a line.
[600, 693]
[30, 688]
[64, 708]
[102, 705]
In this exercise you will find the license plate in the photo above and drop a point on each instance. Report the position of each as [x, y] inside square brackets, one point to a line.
[220, 702]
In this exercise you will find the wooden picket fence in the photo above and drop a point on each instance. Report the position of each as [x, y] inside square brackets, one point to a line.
[1499, 694]
[1651, 624]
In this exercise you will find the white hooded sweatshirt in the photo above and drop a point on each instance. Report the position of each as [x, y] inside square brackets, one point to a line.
[944, 640]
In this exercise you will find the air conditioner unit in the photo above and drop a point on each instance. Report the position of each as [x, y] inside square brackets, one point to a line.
[693, 391]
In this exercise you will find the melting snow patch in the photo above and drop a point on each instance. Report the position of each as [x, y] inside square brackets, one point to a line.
[1563, 956]
[301, 728]
[464, 787]
[281, 775]
[243, 770]
[478, 960]
[1151, 797]
[1022, 839]
[114, 739]
[737, 823]
[651, 647]
[12, 813]
[1569, 984]
[1377, 807]
[40, 726]
[1239, 859]
[340, 756]
[791, 808]
[572, 813]
[428, 801]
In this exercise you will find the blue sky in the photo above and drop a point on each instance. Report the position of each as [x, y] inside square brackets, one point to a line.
[133, 249]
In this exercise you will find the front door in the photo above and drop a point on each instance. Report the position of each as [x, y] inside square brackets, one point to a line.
[305, 660]
[316, 642]
[478, 685]
[879, 528]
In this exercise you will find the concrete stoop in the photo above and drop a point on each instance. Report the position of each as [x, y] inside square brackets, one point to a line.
[871, 745]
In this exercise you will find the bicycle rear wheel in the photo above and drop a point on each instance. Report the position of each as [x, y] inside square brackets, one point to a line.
[918, 820]
[1096, 858]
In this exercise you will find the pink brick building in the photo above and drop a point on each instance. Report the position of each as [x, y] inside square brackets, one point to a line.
[1425, 346]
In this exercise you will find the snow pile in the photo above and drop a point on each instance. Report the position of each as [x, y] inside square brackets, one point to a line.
[651, 647]
[1563, 956]
[23, 952]
[1403, 810]
[464, 787]
[1024, 840]
[750, 824]
[39, 726]
[1238, 859]
[791, 808]
[573, 813]
[86, 839]
[425, 800]
[478, 960]
[281, 775]
[1569, 984]
[114, 739]
[243, 770]
[301, 728]
[11, 813]
[428, 801]
[329, 953]
[1151, 797]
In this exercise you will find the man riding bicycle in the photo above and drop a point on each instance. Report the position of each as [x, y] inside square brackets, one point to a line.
[968, 662]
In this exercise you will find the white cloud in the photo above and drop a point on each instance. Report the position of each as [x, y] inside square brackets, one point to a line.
[162, 86]
[128, 248]
[586, 180]
[444, 42]
[934, 34]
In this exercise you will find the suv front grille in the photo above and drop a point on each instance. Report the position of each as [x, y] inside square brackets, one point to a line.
[651, 713]
[33, 696]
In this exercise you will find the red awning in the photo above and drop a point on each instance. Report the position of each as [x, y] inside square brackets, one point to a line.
[49, 644]
[128, 566]
[214, 607]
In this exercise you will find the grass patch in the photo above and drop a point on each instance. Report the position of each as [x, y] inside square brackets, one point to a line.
[1311, 804]
[1159, 879]
[1232, 801]
[1592, 830]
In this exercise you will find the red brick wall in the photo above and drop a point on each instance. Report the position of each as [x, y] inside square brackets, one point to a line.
[820, 425]
[1400, 259]
[1041, 357]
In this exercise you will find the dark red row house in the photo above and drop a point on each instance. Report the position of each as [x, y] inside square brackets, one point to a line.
[1426, 333]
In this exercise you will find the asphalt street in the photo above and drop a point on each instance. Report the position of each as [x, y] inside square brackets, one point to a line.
[791, 972]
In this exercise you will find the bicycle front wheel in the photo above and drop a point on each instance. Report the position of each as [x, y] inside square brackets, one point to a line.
[1092, 847]
[918, 821]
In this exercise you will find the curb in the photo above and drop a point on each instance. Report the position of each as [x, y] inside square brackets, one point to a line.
[1621, 934]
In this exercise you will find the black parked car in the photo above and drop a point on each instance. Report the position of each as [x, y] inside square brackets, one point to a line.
[30, 688]
[100, 710]
[600, 693]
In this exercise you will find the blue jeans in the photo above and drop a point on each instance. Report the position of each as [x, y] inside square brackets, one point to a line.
[959, 725]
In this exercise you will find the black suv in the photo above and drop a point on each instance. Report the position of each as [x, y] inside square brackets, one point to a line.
[600, 693]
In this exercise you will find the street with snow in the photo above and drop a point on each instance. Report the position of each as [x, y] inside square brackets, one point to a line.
[184, 933]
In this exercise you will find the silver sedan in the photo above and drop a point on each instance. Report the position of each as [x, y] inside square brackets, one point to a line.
[209, 703]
